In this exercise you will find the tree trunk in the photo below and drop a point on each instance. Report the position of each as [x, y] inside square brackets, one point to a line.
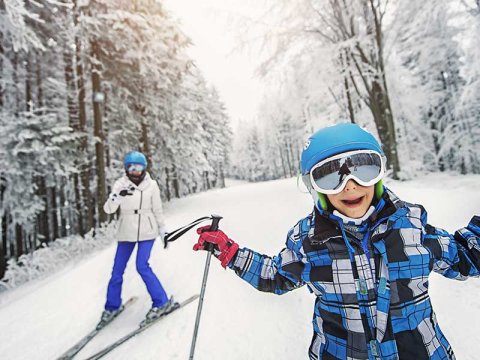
[436, 141]
[73, 121]
[16, 83]
[3, 218]
[28, 84]
[3, 233]
[43, 223]
[380, 94]
[54, 212]
[146, 145]
[206, 181]
[38, 75]
[176, 186]
[98, 133]
[367, 61]
[3, 246]
[285, 175]
[382, 115]
[221, 173]
[2, 54]
[19, 241]
[79, 225]
[167, 182]
[71, 90]
[287, 156]
[346, 66]
[86, 213]
[62, 210]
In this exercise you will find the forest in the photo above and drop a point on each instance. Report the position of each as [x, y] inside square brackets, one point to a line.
[407, 70]
[81, 84]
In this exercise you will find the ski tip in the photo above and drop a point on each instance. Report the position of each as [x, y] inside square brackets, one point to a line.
[191, 298]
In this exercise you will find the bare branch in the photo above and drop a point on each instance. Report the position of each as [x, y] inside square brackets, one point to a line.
[364, 79]
[326, 21]
[321, 33]
[337, 101]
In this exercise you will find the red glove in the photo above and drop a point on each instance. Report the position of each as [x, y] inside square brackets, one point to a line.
[223, 248]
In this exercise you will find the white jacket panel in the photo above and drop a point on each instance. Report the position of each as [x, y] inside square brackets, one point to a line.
[141, 214]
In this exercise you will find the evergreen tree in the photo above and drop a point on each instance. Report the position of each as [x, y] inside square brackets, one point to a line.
[82, 83]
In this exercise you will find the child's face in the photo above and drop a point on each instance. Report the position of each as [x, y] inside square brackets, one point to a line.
[354, 200]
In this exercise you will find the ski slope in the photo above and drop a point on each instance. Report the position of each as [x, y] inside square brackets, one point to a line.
[40, 320]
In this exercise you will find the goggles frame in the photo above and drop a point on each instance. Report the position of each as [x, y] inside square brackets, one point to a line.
[341, 186]
[135, 168]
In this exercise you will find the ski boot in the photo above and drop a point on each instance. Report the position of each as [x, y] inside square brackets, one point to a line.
[156, 312]
[108, 316]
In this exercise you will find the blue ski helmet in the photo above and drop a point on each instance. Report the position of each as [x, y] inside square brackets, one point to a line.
[134, 157]
[336, 139]
[330, 141]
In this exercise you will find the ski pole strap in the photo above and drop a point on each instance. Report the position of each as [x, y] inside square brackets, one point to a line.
[174, 235]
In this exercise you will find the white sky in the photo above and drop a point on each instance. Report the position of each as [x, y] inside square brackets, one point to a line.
[208, 24]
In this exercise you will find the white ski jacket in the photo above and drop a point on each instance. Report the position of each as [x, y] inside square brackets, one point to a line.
[141, 214]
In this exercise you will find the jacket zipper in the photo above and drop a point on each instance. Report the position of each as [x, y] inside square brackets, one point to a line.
[371, 330]
[139, 216]
[363, 244]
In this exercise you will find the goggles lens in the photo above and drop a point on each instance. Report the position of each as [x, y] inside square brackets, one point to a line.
[135, 168]
[330, 176]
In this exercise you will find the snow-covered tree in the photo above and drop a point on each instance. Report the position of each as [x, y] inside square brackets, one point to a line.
[468, 109]
[42, 148]
[352, 32]
[426, 45]
[398, 68]
[247, 157]
[87, 81]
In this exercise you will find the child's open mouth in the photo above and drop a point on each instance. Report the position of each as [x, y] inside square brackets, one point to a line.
[353, 202]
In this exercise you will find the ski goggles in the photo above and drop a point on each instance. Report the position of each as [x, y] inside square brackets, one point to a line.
[135, 168]
[366, 167]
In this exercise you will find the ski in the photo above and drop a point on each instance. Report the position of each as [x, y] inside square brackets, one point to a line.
[137, 331]
[75, 349]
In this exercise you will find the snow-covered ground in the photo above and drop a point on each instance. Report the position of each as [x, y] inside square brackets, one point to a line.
[40, 320]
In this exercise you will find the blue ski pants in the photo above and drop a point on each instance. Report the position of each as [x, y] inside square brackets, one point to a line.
[154, 287]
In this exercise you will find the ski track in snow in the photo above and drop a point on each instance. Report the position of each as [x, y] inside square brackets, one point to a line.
[42, 319]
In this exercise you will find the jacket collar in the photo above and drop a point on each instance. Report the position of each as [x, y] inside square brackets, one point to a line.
[326, 225]
[146, 182]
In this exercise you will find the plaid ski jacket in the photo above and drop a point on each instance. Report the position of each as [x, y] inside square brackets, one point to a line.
[371, 294]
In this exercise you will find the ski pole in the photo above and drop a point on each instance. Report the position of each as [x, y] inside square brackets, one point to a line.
[209, 248]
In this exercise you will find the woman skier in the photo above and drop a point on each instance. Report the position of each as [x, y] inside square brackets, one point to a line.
[141, 221]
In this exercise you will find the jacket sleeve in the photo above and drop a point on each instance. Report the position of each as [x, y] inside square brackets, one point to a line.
[278, 275]
[114, 200]
[454, 256]
[157, 207]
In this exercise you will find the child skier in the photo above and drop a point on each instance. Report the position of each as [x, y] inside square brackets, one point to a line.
[363, 252]
[140, 222]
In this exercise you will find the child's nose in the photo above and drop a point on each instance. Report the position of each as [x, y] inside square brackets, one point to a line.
[351, 185]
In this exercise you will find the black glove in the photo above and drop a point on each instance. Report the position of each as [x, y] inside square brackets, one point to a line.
[126, 192]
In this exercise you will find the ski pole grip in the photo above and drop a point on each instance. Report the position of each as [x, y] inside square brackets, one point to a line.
[215, 220]
[213, 227]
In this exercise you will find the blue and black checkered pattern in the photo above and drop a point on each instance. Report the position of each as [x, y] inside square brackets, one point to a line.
[371, 293]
